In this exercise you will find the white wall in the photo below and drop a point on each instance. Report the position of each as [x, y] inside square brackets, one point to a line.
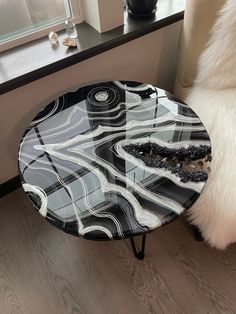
[91, 10]
[104, 15]
[151, 59]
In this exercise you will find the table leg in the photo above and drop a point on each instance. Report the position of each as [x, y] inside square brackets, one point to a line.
[139, 254]
[197, 234]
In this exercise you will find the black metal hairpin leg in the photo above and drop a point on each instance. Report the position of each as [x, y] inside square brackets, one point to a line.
[139, 254]
[197, 234]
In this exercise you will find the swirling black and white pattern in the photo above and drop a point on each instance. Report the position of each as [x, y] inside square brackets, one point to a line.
[75, 170]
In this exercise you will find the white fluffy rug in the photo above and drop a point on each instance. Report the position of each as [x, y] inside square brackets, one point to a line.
[215, 211]
[217, 65]
[213, 98]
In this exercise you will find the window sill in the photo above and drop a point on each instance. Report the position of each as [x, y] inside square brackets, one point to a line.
[32, 61]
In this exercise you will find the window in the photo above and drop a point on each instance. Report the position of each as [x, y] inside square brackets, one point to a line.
[24, 20]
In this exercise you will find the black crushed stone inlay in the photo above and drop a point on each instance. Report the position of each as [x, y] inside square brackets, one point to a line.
[176, 160]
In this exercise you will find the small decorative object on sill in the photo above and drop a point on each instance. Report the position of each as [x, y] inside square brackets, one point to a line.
[53, 37]
[141, 9]
[70, 42]
[71, 31]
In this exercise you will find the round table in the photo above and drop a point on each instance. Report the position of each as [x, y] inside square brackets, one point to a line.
[114, 160]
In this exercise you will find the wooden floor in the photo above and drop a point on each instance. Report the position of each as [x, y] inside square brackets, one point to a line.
[44, 271]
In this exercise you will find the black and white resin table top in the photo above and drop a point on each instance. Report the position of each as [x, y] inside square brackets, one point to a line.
[104, 161]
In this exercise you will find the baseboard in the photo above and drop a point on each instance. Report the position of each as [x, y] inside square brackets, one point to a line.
[9, 186]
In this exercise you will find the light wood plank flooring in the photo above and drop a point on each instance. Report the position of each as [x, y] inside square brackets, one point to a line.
[44, 271]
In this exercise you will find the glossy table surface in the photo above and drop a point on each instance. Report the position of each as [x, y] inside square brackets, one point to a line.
[114, 160]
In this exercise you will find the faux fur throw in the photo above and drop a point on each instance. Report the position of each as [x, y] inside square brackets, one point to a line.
[217, 66]
[213, 98]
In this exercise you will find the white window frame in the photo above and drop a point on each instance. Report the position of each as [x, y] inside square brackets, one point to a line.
[77, 15]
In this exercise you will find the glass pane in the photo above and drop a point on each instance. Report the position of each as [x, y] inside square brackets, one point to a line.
[18, 17]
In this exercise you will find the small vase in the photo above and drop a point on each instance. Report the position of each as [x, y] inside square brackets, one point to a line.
[141, 9]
